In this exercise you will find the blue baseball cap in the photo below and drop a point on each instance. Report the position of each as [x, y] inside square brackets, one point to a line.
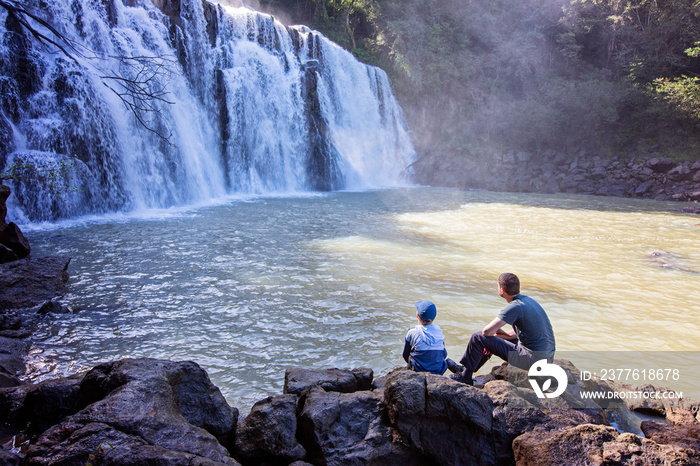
[426, 310]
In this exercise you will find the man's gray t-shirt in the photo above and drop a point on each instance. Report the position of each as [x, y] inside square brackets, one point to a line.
[531, 324]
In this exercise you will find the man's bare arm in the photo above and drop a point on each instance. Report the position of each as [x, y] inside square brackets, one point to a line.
[506, 334]
[493, 328]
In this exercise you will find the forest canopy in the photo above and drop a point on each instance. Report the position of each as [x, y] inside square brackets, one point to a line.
[480, 77]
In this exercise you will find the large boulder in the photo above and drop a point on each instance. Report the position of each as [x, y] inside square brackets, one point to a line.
[29, 282]
[685, 437]
[577, 445]
[296, 380]
[135, 410]
[676, 411]
[660, 164]
[445, 420]
[101, 443]
[268, 433]
[13, 238]
[681, 172]
[350, 428]
[7, 254]
[33, 408]
[452, 423]
[12, 354]
[590, 444]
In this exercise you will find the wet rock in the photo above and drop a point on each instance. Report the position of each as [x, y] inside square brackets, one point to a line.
[211, 15]
[612, 190]
[660, 165]
[684, 437]
[349, 428]
[139, 409]
[296, 380]
[34, 408]
[26, 67]
[168, 7]
[680, 412]
[577, 445]
[681, 172]
[451, 423]
[448, 422]
[268, 433]
[548, 185]
[8, 380]
[29, 282]
[9, 459]
[17, 323]
[111, 11]
[100, 443]
[632, 449]
[643, 188]
[648, 406]
[4, 194]
[12, 353]
[669, 261]
[53, 306]
[13, 238]
[597, 445]
[7, 254]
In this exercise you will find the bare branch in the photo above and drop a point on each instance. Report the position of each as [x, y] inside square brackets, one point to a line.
[140, 77]
[20, 13]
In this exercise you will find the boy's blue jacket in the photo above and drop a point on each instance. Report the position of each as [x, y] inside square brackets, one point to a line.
[425, 349]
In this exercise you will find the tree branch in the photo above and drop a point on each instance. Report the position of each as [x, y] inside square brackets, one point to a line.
[138, 93]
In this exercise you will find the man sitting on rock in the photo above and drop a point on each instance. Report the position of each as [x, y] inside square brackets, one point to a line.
[531, 340]
[424, 350]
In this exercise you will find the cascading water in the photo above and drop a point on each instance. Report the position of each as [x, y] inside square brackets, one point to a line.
[236, 102]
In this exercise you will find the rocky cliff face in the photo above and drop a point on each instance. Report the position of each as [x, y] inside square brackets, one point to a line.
[146, 411]
[551, 172]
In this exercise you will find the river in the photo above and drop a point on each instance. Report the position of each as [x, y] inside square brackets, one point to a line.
[249, 286]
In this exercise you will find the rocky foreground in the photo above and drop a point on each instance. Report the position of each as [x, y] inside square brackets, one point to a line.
[29, 289]
[146, 411]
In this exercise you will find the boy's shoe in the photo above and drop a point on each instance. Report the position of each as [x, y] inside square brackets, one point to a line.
[459, 377]
[454, 367]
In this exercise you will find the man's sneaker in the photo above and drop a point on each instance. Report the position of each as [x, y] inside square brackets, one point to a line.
[461, 378]
[454, 367]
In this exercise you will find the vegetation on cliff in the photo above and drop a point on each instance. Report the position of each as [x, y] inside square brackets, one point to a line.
[478, 78]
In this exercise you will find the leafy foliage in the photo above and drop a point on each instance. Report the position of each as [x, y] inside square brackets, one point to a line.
[55, 175]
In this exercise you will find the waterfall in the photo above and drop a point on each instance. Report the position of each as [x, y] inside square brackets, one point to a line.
[237, 103]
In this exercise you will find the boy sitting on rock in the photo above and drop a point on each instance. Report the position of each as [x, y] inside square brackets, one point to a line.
[424, 350]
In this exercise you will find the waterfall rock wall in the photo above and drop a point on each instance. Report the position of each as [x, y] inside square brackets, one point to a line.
[156, 103]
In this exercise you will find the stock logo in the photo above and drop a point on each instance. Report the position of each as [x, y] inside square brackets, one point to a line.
[542, 369]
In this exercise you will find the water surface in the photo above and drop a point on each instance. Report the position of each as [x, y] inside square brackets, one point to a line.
[250, 287]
